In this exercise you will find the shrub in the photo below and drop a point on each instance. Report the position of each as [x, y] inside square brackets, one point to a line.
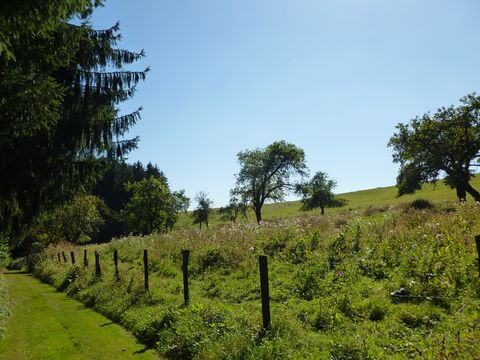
[421, 204]
[17, 264]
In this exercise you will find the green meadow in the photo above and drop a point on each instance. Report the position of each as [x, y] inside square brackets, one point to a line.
[383, 278]
[357, 200]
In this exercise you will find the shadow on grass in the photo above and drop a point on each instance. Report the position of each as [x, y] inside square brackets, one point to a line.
[141, 351]
[107, 324]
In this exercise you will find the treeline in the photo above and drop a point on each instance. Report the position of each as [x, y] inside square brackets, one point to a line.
[127, 199]
[61, 83]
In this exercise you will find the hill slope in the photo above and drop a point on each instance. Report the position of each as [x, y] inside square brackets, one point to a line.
[362, 199]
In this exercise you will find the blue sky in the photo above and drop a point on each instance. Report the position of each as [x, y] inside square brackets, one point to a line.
[333, 77]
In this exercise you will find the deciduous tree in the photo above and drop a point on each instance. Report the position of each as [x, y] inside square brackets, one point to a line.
[443, 144]
[233, 210]
[318, 193]
[268, 174]
[152, 207]
[202, 211]
[76, 221]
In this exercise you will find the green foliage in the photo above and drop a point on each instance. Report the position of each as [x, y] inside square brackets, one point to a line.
[153, 207]
[267, 174]
[317, 193]
[233, 210]
[111, 188]
[443, 144]
[331, 278]
[75, 222]
[59, 105]
[4, 306]
[421, 204]
[202, 211]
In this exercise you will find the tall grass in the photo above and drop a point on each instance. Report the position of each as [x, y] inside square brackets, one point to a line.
[331, 280]
[4, 306]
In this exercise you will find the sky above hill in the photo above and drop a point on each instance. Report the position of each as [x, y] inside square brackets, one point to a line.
[333, 77]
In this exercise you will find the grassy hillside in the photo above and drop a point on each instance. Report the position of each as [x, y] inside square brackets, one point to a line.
[331, 284]
[382, 196]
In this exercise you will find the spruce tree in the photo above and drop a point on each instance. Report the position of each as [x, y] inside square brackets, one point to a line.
[60, 87]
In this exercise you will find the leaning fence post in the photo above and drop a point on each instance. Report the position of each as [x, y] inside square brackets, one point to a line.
[145, 268]
[98, 269]
[64, 257]
[186, 295]
[115, 263]
[58, 255]
[72, 255]
[477, 242]
[85, 259]
[263, 262]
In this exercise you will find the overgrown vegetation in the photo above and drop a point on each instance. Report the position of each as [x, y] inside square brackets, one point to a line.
[397, 283]
[4, 306]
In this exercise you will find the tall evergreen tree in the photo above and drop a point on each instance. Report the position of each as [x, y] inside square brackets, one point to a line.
[60, 86]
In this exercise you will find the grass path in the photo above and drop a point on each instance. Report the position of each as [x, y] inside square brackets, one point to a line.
[46, 324]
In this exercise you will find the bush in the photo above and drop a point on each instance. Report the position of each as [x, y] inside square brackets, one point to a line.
[17, 264]
[421, 204]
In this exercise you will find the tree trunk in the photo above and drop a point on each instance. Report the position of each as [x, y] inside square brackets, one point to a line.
[461, 193]
[258, 214]
[475, 194]
[322, 208]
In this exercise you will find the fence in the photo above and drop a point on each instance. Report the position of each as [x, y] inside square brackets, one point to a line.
[263, 271]
[262, 261]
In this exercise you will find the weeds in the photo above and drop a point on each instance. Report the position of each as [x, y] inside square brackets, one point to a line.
[330, 284]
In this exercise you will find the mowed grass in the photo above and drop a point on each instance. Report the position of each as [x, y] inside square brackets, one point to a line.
[46, 324]
[358, 200]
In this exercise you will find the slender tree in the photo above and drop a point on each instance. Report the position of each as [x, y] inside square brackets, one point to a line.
[268, 174]
[203, 209]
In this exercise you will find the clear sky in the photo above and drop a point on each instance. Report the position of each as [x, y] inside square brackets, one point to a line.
[333, 77]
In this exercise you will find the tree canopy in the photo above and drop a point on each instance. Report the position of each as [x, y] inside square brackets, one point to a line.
[318, 193]
[443, 144]
[202, 211]
[75, 222]
[233, 210]
[153, 207]
[268, 174]
[60, 86]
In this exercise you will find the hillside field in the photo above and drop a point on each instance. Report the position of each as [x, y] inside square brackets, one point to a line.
[357, 200]
[385, 282]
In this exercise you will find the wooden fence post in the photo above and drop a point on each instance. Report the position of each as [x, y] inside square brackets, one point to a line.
[58, 255]
[186, 294]
[263, 262]
[85, 259]
[145, 268]
[477, 242]
[98, 269]
[72, 255]
[115, 264]
[64, 257]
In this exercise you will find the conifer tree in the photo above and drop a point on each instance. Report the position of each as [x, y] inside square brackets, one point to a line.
[60, 86]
